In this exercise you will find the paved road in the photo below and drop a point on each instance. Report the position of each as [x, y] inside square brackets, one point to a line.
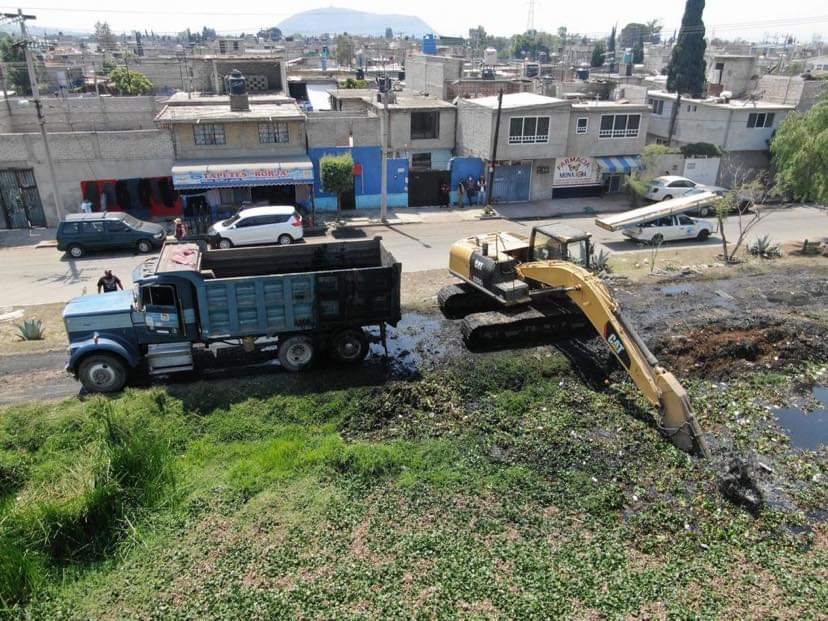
[32, 276]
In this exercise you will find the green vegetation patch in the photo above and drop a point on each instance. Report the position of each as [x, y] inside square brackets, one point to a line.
[499, 488]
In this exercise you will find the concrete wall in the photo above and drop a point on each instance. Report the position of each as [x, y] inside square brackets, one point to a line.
[737, 75]
[87, 156]
[242, 140]
[327, 129]
[400, 138]
[486, 88]
[541, 188]
[81, 113]
[558, 134]
[791, 90]
[475, 128]
[738, 167]
[169, 73]
[429, 74]
[592, 145]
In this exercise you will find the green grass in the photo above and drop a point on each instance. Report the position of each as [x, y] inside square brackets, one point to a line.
[503, 489]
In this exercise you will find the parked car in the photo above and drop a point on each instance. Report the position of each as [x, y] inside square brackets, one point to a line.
[259, 225]
[671, 186]
[79, 233]
[670, 228]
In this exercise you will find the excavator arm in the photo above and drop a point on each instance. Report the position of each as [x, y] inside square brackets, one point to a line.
[659, 386]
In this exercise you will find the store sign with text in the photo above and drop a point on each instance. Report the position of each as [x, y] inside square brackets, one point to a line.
[575, 170]
[238, 177]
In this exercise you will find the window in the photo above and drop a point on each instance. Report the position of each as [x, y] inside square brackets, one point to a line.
[529, 130]
[116, 226]
[234, 196]
[70, 228]
[208, 133]
[273, 133]
[658, 106]
[759, 120]
[92, 227]
[619, 125]
[421, 160]
[685, 221]
[158, 296]
[582, 125]
[425, 125]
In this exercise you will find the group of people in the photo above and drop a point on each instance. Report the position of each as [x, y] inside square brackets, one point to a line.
[470, 191]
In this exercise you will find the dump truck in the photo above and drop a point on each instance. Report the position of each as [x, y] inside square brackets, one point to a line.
[292, 303]
[514, 287]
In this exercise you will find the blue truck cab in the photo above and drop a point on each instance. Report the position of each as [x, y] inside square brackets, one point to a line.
[295, 301]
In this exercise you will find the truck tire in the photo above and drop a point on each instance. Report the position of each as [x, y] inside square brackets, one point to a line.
[102, 373]
[703, 235]
[144, 246]
[75, 251]
[349, 346]
[224, 243]
[285, 239]
[296, 353]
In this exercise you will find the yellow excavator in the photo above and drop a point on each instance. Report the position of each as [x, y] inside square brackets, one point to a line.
[518, 289]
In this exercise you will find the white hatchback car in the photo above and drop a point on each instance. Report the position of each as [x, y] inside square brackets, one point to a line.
[665, 188]
[670, 228]
[259, 225]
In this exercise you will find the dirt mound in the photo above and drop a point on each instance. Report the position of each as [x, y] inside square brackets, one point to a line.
[723, 350]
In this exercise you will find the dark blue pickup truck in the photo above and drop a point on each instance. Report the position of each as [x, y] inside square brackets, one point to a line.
[294, 301]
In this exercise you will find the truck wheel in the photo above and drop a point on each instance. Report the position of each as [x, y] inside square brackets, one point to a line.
[102, 373]
[285, 239]
[76, 251]
[296, 353]
[225, 243]
[703, 235]
[705, 211]
[349, 346]
[144, 246]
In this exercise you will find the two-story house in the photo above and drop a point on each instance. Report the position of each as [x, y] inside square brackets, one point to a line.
[232, 151]
[742, 129]
[552, 148]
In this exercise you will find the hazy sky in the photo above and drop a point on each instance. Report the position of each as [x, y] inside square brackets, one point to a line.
[725, 18]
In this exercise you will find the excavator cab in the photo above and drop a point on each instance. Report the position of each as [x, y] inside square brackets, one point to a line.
[559, 242]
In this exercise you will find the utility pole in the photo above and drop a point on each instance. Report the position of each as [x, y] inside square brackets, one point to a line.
[493, 159]
[3, 70]
[674, 118]
[385, 87]
[41, 119]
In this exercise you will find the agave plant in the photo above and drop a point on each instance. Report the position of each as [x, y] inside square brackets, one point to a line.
[30, 330]
[765, 247]
[600, 262]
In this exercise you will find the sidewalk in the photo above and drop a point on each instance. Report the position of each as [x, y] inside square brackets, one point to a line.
[536, 210]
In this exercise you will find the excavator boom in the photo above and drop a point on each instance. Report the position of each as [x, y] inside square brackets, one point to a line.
[659, 386]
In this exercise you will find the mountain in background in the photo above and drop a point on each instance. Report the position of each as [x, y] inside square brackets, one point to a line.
[333, 20]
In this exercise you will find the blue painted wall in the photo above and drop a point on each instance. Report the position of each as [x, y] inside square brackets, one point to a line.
[463, 168]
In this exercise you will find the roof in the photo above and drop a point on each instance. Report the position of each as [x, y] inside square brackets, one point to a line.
[516, 100]
[564, 232]
[268, 210]
[657, 210]
[98, 215]
[733, 104]
[181, 98]
[222, 112]
[415, 102]
[607, 105]
[352, 93]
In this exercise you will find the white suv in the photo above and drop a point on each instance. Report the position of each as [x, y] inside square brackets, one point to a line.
[671, 186]
[259, 225]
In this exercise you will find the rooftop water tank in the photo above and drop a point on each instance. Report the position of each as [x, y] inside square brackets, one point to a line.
[429, 44]
[490, 56]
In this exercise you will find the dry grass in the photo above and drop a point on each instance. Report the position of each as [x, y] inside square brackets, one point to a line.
[54, 331]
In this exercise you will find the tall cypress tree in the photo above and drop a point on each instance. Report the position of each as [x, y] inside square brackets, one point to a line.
[685, 75]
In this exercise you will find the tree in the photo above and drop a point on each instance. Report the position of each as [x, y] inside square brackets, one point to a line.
[638, 182]
[800, 154]
[127, 82]
[599, 54]
[344, 50]
[208, 34]
[104, 36]
[530, 44]
[350, 83]
[685, 74]
[611, 46]
[271, 34]
[630, 34]
[654, 31]
[336, 173]
[638, 50]
[745, 203]
[17, 77]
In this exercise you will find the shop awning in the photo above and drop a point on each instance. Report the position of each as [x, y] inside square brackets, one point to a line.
[625, 164]
[206, 174]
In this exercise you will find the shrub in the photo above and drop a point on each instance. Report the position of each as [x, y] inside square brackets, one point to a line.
[765, 247]
[600, 262]
[30, 330]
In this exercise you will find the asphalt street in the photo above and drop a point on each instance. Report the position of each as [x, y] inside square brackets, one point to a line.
[39, 276]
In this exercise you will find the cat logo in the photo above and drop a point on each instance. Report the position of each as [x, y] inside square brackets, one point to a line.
[616, 345]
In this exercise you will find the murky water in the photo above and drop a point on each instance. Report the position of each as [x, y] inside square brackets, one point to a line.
[419, 340]
[807, 430]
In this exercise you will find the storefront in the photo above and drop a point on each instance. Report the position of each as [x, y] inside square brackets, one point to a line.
[226, 185]
[616, 170]
[575, 177]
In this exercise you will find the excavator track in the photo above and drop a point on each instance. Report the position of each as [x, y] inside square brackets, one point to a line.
[524, 326]
[457, 301]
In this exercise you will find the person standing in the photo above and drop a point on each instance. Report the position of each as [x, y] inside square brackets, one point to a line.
[109, 283]
[445, 194]
[461, 193]
[180, 229]
[471, 192]
[481, 194]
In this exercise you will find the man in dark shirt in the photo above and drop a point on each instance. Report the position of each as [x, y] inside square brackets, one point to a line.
[109, 283]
